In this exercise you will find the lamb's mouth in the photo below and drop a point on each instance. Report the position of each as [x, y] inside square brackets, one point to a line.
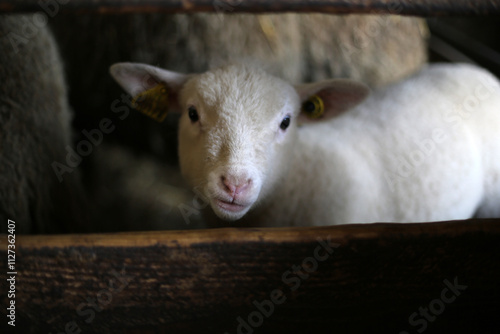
[230, 206]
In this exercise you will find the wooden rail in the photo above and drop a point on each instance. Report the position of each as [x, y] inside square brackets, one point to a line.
[343, 279]
[403, 7]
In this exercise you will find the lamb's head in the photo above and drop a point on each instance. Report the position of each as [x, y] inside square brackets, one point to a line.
[237, 127]
[236, 132]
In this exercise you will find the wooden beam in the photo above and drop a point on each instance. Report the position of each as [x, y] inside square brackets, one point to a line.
[403, 7]
[353, 278]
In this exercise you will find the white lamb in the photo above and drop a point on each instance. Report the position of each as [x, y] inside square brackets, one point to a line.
[425, 149]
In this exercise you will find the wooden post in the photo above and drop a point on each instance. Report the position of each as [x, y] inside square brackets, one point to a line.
[402, 7]
[347, 279]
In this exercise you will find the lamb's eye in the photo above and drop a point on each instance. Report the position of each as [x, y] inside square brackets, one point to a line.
[193, 114]
[285, 123]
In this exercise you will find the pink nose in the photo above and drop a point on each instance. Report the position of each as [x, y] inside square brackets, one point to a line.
[235, 186]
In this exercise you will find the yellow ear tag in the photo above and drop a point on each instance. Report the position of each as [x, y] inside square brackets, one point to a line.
[153, 102]
[314, 107]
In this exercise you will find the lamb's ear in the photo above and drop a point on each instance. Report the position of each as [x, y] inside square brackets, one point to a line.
[326, 99]
[154, 90]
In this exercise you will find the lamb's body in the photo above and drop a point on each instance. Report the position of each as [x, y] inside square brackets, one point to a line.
[416, 151]
[424, 149]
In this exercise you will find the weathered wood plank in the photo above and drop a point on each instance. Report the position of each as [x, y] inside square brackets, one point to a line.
[191, 281]
[404, 7]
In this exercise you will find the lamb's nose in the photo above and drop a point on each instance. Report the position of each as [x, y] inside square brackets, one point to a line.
[236, 185]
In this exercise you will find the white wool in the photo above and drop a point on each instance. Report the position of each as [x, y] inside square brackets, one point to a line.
[425, 149]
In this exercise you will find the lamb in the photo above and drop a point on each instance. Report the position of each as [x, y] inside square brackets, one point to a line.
[35, 127]
[424, 149]
[376, 49]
